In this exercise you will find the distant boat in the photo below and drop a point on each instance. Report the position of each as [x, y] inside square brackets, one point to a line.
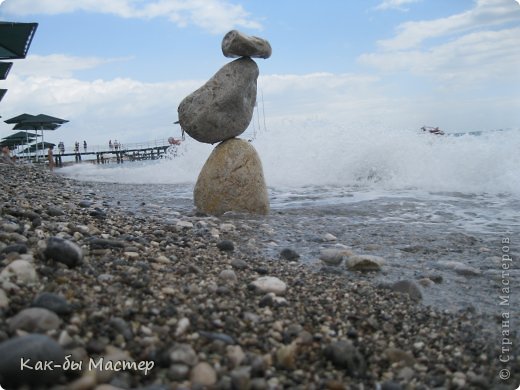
[432, 130]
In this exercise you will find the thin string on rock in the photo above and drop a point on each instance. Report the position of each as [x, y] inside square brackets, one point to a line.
[258, 117]
[263, 108]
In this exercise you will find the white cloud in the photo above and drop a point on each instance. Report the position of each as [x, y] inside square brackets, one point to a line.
[215, 16]
[394, 4]
[485, 14]
[58, 65]
[475, 57]
[476, 49]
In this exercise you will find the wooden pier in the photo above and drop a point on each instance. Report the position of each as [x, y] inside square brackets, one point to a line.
[114, 155]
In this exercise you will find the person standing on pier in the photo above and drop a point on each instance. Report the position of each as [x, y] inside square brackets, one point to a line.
[110, 146]
[85, 146]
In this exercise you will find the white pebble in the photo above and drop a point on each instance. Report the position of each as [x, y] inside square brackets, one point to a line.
[182, 326]
[268, 284]
[21, 270]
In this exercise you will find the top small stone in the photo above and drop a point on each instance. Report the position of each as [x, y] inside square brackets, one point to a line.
[237, 44]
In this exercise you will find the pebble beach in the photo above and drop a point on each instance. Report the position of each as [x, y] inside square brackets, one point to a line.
[119, 301]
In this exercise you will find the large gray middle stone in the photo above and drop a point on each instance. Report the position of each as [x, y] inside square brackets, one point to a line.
[223, 107]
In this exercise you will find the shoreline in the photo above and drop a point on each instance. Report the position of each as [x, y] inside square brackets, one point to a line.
[176, 295]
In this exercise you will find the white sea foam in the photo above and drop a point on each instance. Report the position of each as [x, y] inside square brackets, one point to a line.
[320, 153]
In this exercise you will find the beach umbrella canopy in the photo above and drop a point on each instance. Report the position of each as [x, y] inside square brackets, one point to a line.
[36, 122]
[17, 139]
[18, 118]
[5, 67]
[44, 119]
[2, 93]
[21, 135]
[15, 39]
[38, 146]
[35, 126]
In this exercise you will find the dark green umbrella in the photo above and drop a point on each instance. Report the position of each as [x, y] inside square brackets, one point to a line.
[2, 93]
[35, 126]
[20, 136]
[36, 122]
[5, 67]
[18, 139]
[38, 146]
[18, 118]
[15, 39]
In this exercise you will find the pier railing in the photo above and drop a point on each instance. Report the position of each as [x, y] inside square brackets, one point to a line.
[120, 146]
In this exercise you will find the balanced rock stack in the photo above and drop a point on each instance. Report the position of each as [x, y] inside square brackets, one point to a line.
[232, 178]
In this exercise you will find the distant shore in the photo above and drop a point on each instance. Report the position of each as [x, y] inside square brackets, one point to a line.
[181, 305]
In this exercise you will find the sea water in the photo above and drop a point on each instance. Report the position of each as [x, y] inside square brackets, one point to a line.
[429, 205]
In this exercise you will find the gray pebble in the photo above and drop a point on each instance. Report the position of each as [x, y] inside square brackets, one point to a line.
[343, 354]
[183, 354]
[15, 248]
[63, 251]
[332, 257]
[226, 246]
[408, 287]
[55, 211]
[241, 378]
[34, 319]
[35, 347]
[122, 327]
[52, 302]
[289, 254]
[239, 264]
[391, 386]
[178, 372]
[85, 204]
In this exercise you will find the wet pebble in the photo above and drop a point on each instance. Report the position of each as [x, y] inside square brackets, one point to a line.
[34, 347]
[34, 319]
[63, 251]
[226, 246]
[460, 268]
[365, 263]
[53, 302]
[331, 256]
[85, 204]
[327, 237]
[289, 254]
[408, 287]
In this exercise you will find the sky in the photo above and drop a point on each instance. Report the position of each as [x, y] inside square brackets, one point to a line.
[118, 69]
